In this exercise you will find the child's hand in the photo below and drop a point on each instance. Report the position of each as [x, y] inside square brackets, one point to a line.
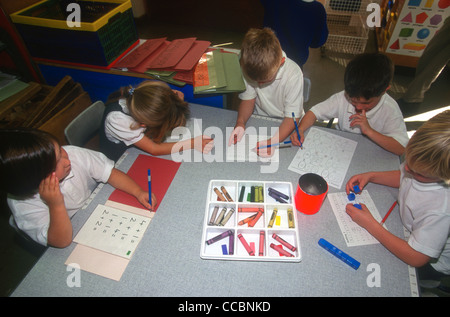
[266, 151]
[142, 197]
[236, 135]
[294, 138]
[362, 216]
[203, 143]
[360, 119]
[50, 192]
[361, 180]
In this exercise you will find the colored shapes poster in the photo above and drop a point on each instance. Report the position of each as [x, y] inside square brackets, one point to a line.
[418, 22]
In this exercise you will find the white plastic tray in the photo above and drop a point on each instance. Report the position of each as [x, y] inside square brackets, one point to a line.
[232, 247]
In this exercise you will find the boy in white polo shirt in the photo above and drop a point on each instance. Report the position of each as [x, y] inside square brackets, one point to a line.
[363, 107]
[424, 200]
[274, 84]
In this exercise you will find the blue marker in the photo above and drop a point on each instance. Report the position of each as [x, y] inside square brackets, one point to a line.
[296, 129]
[276, 144]
[339, 254]
[149, 187]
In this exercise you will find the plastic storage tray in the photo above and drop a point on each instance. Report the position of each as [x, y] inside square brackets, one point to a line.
[107, 30]
[230, 232]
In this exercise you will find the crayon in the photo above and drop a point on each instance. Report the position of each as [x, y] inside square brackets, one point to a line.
[227, 217]
[252, 222]
[262, 236]
[284, 242]
[219, 194]
[280, 250]
[272, 218]
[250, 209]
[277, 198]
[290, 218]
[245, 244]
[213, 216]
[224, 191]
[219, 237]
[241, 195]
[279, 194]
[231, 244]
[219, 219]
[244, 221]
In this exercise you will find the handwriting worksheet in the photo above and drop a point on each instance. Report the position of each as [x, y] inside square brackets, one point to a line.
[113, 230]
[325, 154]
[354, 235]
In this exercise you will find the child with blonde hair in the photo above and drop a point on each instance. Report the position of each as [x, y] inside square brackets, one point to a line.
[47, 183]
[142, 117]
[274, 85]
[424, 200]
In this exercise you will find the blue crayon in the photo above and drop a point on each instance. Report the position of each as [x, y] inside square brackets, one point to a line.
[339, 254]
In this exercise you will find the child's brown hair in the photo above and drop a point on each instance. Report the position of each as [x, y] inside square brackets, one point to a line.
[261, 54]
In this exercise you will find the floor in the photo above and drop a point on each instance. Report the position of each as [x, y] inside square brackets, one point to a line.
[325, 73]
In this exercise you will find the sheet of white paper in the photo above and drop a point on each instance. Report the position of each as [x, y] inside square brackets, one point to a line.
[354, 235]
[244, 151]
[325, 154]
[112, 230]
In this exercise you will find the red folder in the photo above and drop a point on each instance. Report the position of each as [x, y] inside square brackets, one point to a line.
[163, 171]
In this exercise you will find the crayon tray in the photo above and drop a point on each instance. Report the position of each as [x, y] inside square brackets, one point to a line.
[240, 214]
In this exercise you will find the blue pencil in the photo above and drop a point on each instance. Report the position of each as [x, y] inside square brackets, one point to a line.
[149, 187]
[296, 129]
[276, 144]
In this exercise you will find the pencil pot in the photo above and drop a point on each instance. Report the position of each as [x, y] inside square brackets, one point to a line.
[311, 192]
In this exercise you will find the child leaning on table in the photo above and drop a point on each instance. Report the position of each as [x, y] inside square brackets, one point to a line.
[424, 200]
[363, 106]
[274, 85]
[47, 183]
[142, 117]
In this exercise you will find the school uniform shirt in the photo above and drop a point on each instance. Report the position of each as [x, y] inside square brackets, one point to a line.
[282, 96]
[88, 168]
[385, 118]
[425, 212]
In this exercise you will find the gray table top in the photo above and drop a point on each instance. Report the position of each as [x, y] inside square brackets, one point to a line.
[167, 261]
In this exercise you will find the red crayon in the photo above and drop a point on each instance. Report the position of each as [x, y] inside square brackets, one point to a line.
[283, 242]
[280, 250]
[262, 236]
[252, 222]
[245, 244]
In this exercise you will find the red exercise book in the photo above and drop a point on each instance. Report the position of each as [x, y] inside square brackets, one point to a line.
[163, 171]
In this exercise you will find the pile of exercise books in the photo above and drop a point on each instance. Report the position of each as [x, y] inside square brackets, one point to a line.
[186, 61]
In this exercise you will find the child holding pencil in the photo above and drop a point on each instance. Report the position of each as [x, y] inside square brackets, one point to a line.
[363, 106]
[47, 183]
[274, 86]
[142, 117]
[424, 200]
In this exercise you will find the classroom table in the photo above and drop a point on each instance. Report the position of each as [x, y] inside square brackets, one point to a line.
[167, 262]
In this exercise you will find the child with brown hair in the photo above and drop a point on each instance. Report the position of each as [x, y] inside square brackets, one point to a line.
[47, 183]
[424, 200]
[142, 117]
[274, 85]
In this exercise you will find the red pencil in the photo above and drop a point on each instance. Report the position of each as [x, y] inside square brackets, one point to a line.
[388, 213]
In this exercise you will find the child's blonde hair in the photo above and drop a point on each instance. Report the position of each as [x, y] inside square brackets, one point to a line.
[261, 54]
[155, 105]
[428, 150]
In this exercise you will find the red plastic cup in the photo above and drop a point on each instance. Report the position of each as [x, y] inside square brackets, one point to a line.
[311, 192]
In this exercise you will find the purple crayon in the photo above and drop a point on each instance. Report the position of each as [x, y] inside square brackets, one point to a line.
[279, 194]
[276, 197]
[219, 237]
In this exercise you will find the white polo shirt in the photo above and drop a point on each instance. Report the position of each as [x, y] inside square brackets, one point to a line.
[386, 117]
[425, 212]
[87, 169]
[118, 126]
[282, 96]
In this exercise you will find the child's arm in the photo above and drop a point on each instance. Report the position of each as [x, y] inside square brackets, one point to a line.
[386, 142]
[307, 121]
[387, 178]
[122, 181]
[394, 244]
[244, 113]
[201, 143]
[59, 233]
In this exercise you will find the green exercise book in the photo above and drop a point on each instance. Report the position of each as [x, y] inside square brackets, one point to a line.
[217, 73]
